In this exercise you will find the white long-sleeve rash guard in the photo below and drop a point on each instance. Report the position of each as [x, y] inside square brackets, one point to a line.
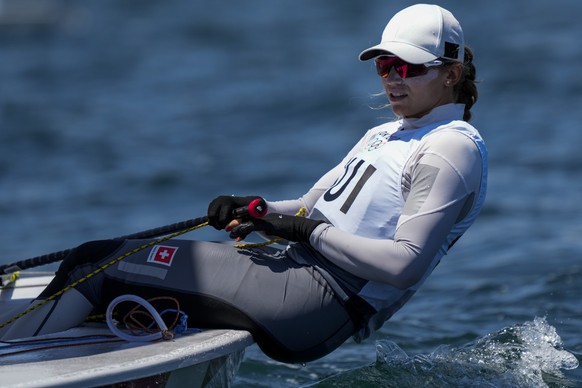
[440, 185]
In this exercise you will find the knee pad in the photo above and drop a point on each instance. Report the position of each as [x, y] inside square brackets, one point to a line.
[93, 251]
[87, 253]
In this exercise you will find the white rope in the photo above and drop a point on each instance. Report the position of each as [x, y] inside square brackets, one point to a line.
[144, 303]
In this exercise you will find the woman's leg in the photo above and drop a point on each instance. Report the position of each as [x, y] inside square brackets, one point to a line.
[67, 310]
[289, 308]
[56, 315]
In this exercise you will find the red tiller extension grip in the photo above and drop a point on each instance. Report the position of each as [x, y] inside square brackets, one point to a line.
[256, 209]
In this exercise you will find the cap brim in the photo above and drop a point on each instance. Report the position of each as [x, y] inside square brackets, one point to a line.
[405, 51]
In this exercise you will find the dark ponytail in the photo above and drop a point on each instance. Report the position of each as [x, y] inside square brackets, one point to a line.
[467, 89]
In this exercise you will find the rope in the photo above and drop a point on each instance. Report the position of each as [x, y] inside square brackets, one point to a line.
[163, 333]
[301, 213]
[155, 327]
[57, 256]
[65, 342]
[99, 270]
[7, 279]
[179, 326]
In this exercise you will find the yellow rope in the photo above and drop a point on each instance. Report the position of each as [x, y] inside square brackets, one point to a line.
[7, 279]
[14, 276]
[98, 270]
[301, 213]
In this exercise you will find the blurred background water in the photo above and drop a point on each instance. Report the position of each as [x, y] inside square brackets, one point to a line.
[123, 115]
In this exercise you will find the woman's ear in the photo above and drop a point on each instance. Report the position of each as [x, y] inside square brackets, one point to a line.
[454, 74]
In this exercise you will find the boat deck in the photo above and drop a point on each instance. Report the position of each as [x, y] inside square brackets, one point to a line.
[82, 363]
[65, 359]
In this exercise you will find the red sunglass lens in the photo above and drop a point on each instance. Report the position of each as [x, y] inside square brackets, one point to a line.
[403, 69]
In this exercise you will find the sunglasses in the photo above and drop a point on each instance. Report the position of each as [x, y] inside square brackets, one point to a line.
[403, 68]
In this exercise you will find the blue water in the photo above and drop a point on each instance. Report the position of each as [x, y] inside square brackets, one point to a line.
[118, 116]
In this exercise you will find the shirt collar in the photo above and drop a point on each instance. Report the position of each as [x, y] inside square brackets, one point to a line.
[447, 112]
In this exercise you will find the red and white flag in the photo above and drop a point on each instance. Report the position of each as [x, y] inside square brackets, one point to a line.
[162, 254]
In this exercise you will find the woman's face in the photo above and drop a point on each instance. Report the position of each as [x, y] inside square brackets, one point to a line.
[414, 97]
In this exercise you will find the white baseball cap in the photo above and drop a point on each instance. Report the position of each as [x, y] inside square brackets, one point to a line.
[419, 34]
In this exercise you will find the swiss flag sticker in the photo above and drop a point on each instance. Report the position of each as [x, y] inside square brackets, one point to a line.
[162, 254]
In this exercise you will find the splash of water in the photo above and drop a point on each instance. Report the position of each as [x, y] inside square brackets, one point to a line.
[520, 355]
[524, 355]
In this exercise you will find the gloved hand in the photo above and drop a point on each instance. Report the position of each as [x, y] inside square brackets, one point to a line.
[226, 208]
[290, 228]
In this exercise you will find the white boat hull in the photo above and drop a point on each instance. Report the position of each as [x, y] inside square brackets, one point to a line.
[193, 360]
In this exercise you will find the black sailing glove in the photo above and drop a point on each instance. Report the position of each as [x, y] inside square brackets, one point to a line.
[226, 208]
[290, 228]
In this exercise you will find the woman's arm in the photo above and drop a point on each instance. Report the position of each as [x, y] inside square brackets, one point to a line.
[443, 181]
